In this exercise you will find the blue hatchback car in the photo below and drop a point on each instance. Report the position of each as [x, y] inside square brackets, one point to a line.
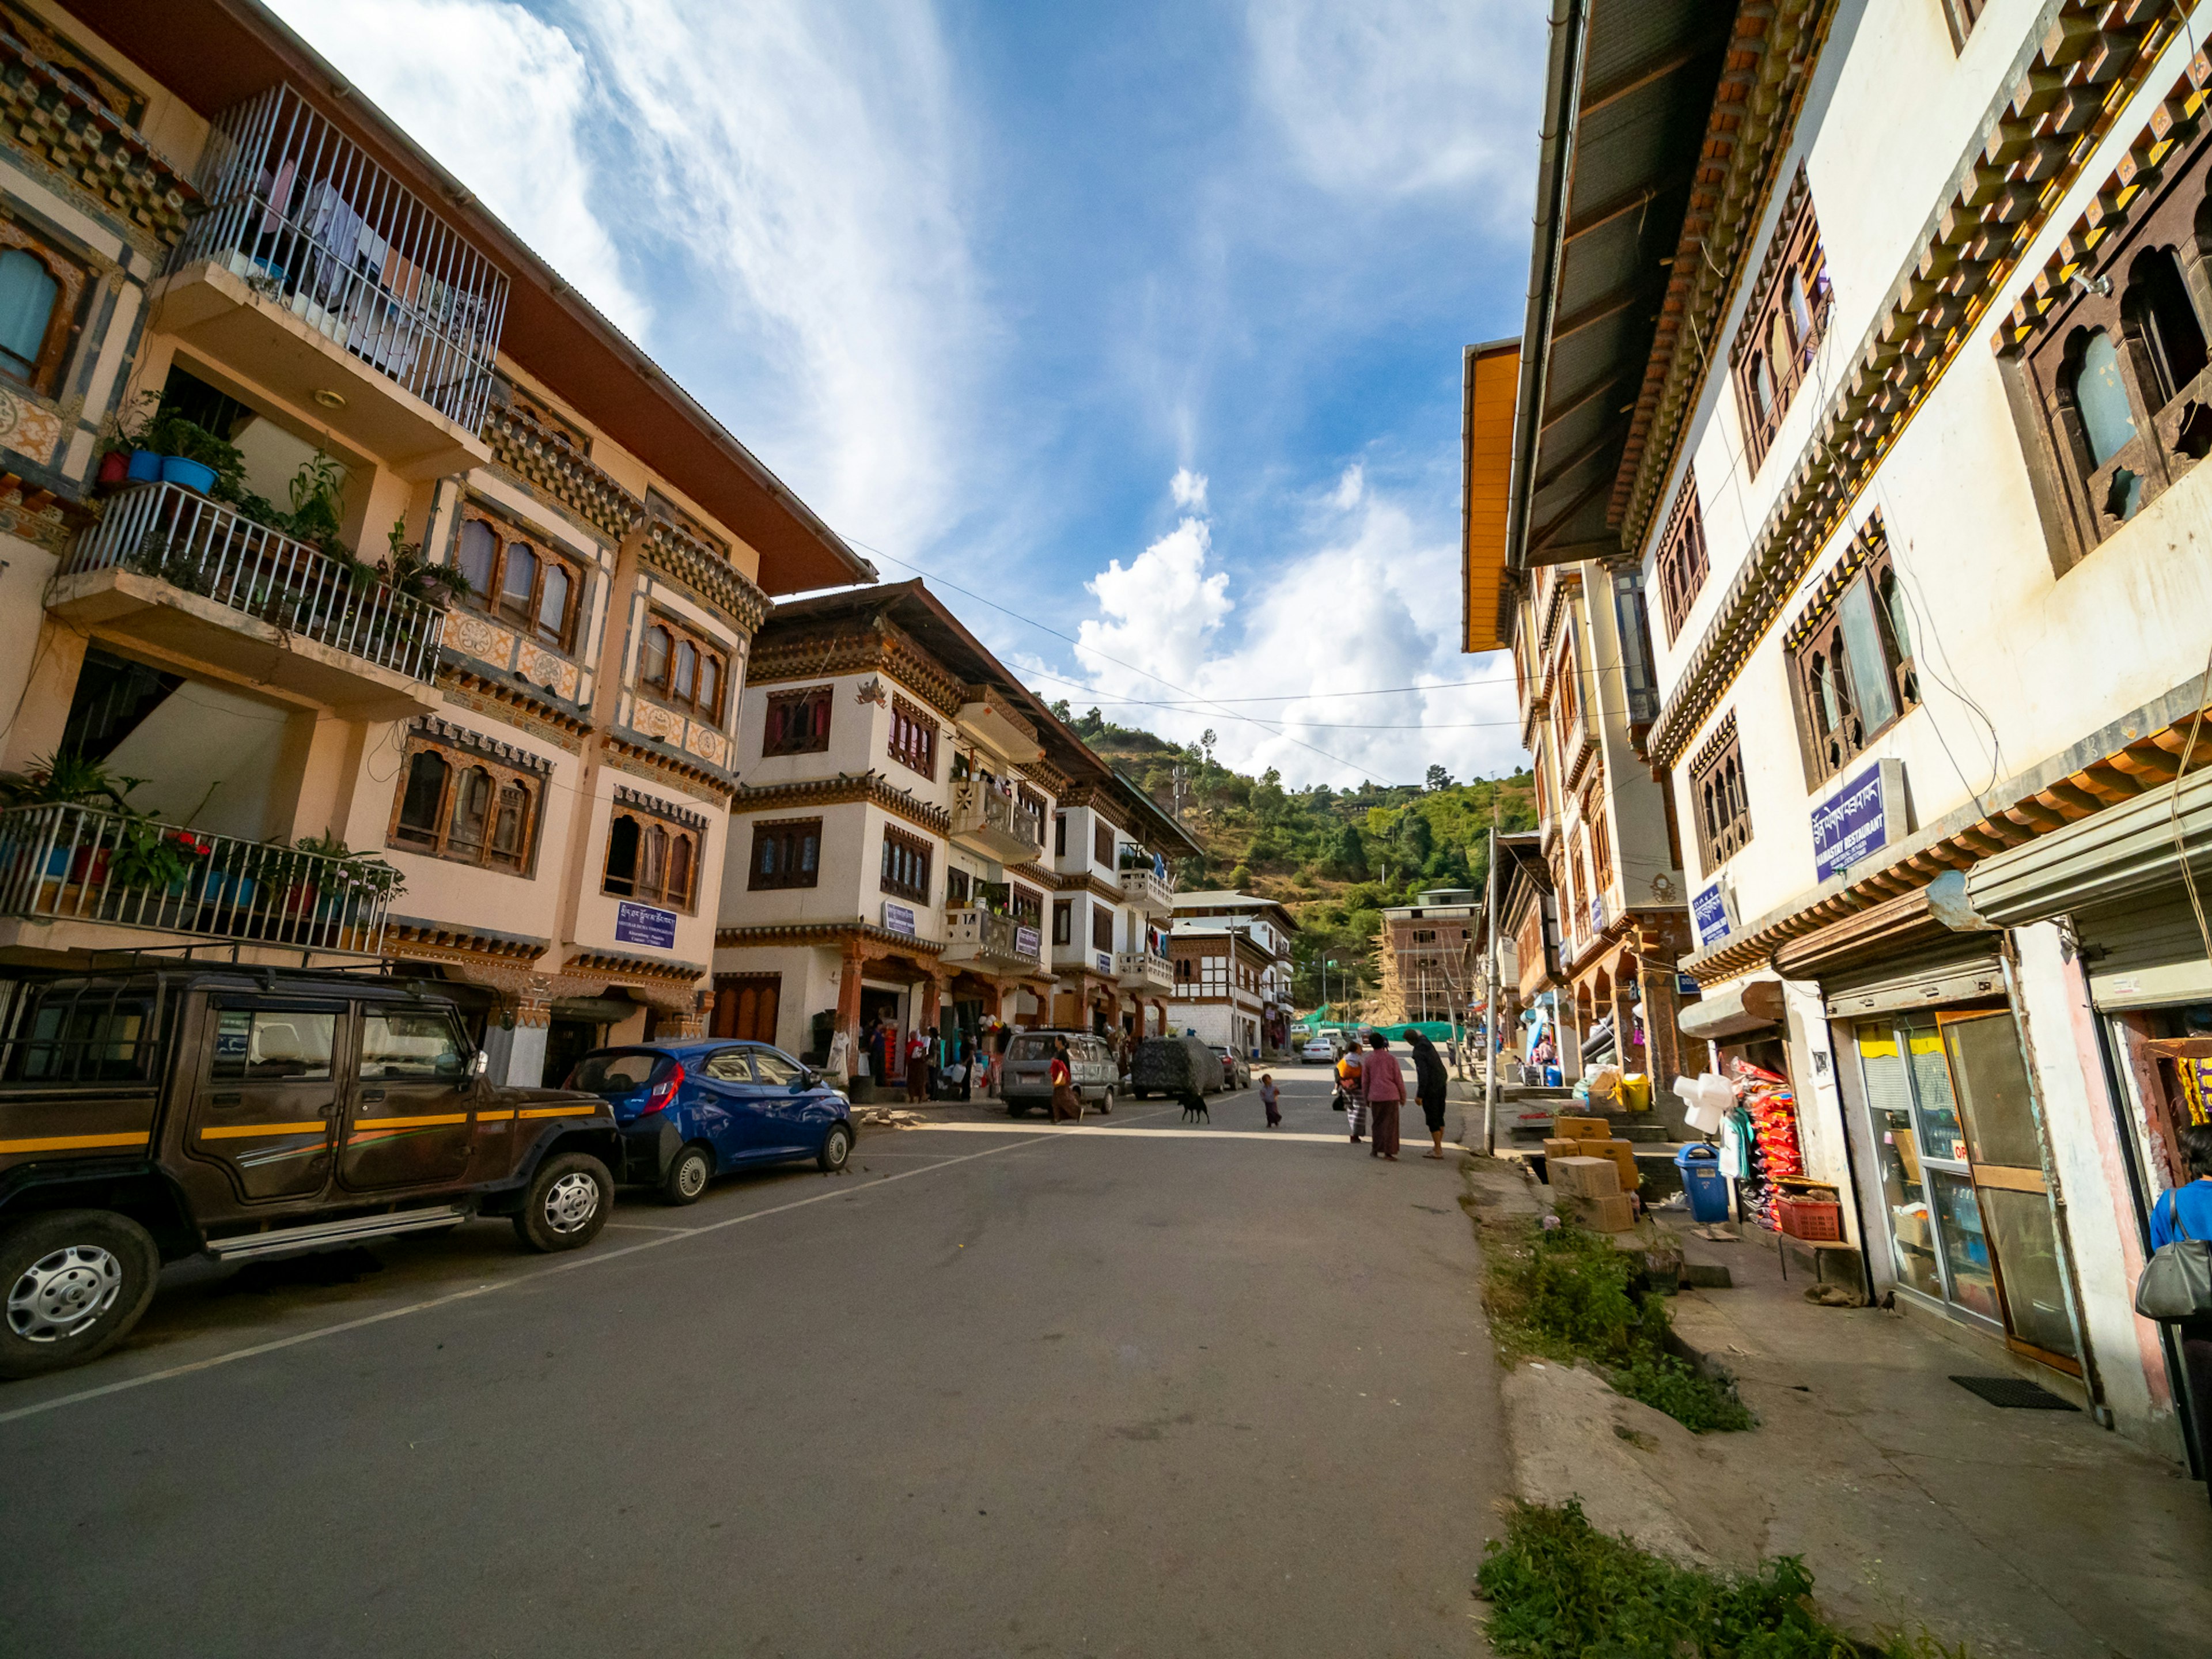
[690, 1111]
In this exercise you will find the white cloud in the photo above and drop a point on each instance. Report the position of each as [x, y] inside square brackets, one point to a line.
[1370, 601]
[1399, 96]
[502, 100]
[1189, 489]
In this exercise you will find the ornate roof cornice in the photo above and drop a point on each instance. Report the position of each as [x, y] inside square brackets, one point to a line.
[478, 743]
[609, 964]
[883, 647]
[66, 132]
[1045, 776]
[2033, 144]
[626, 796]
[438, 941]
[1768, 67]
[869, 786]
[639, 758]
[508, 694]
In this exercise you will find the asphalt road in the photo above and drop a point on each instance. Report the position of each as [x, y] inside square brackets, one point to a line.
[992, 1392]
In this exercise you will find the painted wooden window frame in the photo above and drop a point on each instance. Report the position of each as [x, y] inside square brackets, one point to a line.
[913, 738]
[776, 726]
[657, 874]
[792, 834]
[907, 864]
[1792, 294]
[1723, 800]
[437, 840]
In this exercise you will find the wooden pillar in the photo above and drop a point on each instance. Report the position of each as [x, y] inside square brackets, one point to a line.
[848, 994]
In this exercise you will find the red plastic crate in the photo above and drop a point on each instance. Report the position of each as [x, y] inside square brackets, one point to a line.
[1810, 1218]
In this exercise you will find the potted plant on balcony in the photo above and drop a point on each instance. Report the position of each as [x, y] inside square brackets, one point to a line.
[123, 440]
[408, 572]
[190, 454]
[157, 857]
[64, 778]
[326, 881]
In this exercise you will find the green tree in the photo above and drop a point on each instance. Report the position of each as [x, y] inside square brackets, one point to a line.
[1438, 779]
[1349, 855]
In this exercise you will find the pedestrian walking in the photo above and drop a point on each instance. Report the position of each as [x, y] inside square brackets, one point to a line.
[1429, 1088]
[1067, 1104]
[1002, 1037]
[1348, 1090]
[1382, 1086]
[917, 1067]
[1268, 1096]
[2185, 1211]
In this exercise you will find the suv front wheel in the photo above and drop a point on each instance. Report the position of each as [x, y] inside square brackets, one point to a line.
[76, 1282]
[566, 1204]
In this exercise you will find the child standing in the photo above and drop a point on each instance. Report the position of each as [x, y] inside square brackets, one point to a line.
[1268, 1095]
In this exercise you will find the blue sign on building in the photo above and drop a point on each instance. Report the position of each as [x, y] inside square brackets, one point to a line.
[1709, 911]
[643, 924]
[898, 919]
[1859, 819]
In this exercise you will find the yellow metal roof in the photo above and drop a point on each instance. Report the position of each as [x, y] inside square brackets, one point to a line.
[1492, 373]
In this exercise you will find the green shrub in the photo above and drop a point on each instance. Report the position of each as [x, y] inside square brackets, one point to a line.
[1700, 1403]
[1560, 1588]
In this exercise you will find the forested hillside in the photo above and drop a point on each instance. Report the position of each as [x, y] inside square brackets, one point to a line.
[1336, 857]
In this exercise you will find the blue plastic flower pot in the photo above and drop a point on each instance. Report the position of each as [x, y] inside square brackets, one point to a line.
[145, 467]
[193, 475]
[1704, 1184]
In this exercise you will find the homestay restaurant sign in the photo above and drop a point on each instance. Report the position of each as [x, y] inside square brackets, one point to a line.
[1859, 819]
[644, 924]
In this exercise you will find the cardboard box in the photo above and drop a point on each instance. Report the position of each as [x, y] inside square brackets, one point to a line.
[1612, 1213]
[1581, 1128]
[1585, 1177]
[1623, 1154]
[1561, 1147]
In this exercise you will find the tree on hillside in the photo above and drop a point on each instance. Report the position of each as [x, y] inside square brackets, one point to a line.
[1349, 856]
[1438, 779]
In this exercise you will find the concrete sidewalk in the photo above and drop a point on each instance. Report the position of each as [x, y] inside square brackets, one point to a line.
[1914, 1503]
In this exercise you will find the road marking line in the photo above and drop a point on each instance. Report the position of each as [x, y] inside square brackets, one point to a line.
[569, 1266]
[1090, 1130]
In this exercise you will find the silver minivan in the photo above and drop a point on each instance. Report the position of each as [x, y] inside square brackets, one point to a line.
[1026, 1079]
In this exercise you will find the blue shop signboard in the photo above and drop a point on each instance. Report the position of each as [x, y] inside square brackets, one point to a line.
[898, 919]
[1859, 819]
[643, 924]
[1709, 911]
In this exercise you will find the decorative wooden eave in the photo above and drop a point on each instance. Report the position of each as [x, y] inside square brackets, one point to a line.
[1085, 882]
[714, 784]
[65, 131]
[420, 937]
[869, 786]
[2032, 145]
[2114, 765]
[707, 571]
[1762, 84]
[1034, 874]
[823, 933]
[1563, 586]
[608, 964]
[528, 451]
[457, 674]
[37, 515]
[640, 801]
[2172, 123]
[1871, 540]
[1047, 776]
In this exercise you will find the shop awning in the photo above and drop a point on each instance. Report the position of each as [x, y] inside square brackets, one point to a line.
[2121, 854]
[1747, 1006]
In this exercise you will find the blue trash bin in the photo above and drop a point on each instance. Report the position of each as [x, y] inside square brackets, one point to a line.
[1704, 1183]
[1552, 1080]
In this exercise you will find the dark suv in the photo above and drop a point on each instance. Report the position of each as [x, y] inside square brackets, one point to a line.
[245, 1113]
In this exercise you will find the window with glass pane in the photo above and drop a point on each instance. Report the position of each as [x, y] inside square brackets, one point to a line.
[27, 294]
[775, 1069]
[471, 808]
[679, 872]
[1939, 1136]
[652, 661]
[553, 603]
[273, 1045]
[2108, 419]
[2025, 1246]
[1966, 1244]
[478, 557]
[786, 853]
[397, 1045]
[507, 829]
[653, 863]
[1861, 635]
[517, 583]
[1889, 1115]
[425, 795]
[1993, 1095]
[710, 685]
[729, 1066]
[685, 669]
[481, 813]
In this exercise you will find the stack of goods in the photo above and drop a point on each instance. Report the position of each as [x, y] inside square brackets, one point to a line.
[1592, 1137]
[1775, 1153]
[1588, 1193]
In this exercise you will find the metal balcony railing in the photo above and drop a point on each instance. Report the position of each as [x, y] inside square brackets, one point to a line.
[70, 863]
[297, 209]
[197, 545]
[979, 809]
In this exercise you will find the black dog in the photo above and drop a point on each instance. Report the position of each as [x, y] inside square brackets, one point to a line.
[1193, 1106]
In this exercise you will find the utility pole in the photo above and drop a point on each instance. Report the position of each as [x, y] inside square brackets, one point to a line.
[1489, 1001]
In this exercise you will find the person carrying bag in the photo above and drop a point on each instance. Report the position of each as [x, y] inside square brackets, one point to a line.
[2176, 1287]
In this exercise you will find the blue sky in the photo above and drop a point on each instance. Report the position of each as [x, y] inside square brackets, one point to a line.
[1140, 322]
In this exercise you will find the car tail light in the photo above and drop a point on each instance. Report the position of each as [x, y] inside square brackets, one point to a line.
[664, 1092]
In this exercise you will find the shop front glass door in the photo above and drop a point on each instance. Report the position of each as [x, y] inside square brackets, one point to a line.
[1938, 1243]
[1897, 1153]
[1997, 1111]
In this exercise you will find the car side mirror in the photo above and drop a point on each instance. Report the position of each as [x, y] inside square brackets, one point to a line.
[479, 1063]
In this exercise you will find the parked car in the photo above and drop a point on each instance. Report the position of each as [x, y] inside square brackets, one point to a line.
[149, 1116]
[1174, 1065]
[1026, 1079]
[690, 1111]
[1322, 1049]
[1236, 1070]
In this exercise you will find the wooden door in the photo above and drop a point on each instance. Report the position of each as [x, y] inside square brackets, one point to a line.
[746, 1005]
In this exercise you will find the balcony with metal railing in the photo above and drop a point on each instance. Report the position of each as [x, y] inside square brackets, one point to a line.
[983, 938]
[317, 275]
[1143, 885]
[191, 578]
[68, 863]
[987, 822]
[1144, 970]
